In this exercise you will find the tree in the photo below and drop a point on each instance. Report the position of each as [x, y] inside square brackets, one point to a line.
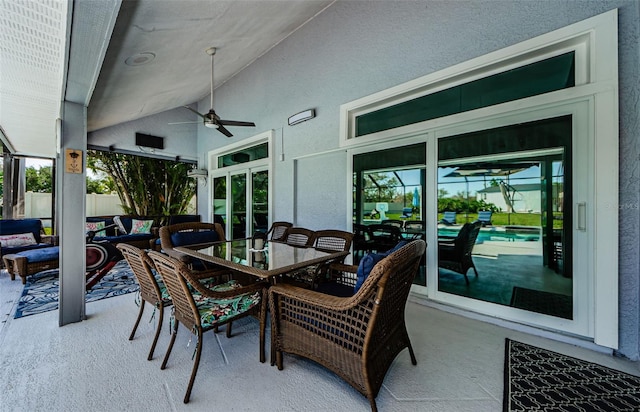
[380, 187]
[146, 186]
[39, 180]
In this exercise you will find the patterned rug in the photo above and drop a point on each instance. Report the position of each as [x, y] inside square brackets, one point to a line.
[40, 294]
[536, 379]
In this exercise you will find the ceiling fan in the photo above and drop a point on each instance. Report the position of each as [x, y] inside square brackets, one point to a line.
[211, 119]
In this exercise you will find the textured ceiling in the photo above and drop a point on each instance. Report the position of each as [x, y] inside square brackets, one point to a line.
[177, 32]
[32, 60]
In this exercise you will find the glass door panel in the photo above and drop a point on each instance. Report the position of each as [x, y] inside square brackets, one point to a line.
[235, 204]
[388, 188]
[220, 201]
[238, 212]
[514, 181]
[260, 201]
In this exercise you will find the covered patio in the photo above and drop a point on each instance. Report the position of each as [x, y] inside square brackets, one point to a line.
[375, 76]
[93, 366]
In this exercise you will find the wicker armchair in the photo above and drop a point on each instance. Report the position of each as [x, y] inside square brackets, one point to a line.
[206, 308]
[357, 337]
[152, 290]
[278, 230]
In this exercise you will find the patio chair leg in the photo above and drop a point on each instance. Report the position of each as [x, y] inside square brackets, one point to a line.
[414, 361]
[229, 329]
[174, 333]
[263, 326]
[196, 363]
[158, 329]
[372, 402]
[135, 327]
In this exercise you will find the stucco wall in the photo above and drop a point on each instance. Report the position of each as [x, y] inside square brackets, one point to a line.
[356, 48]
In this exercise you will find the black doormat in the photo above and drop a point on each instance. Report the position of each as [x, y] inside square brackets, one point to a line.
[537, 379]
[540, 301]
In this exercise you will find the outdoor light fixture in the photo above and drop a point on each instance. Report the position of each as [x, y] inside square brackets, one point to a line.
[302, 116]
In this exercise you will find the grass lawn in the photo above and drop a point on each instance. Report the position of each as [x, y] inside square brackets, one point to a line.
[497, 219]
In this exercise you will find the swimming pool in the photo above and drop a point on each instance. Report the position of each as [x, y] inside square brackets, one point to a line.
[498, 233]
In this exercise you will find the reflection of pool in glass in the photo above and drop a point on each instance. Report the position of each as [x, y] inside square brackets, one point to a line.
[498, 233]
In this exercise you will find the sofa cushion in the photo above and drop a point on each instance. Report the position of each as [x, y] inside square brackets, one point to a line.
[124, 238]
[94, 226]
[19, 239]
[193, 238]
[111, 231]
[369, 261]
[17, 226]
[140, 226]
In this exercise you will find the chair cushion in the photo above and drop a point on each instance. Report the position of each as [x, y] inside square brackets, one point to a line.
[193, 238]
[19, 249]
[369, 261]
[41, 255]
[216, 311]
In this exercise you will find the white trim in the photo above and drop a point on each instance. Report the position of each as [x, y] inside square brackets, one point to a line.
[593, 103]
[256, 165]
[581, 37]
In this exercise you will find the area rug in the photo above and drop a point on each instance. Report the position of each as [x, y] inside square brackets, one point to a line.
[539, 301]
[40, 294]
[537, 379]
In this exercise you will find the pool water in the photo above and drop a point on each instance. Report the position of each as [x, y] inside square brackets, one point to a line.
[499, 233]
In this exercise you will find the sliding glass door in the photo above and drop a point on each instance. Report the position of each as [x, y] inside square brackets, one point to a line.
[514, 181]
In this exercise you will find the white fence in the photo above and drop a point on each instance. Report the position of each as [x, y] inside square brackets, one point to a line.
[38, 205]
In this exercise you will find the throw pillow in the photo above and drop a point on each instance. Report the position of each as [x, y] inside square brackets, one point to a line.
[118, 222]
[141, 227]
[94, 226]
[369, 261]
[21, 239]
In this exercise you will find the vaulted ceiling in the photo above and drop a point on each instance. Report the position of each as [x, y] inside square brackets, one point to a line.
[126, 60]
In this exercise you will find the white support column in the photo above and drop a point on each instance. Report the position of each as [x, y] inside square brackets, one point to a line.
[70, 212]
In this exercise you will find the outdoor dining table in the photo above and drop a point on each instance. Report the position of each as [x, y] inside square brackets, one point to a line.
[274, 259]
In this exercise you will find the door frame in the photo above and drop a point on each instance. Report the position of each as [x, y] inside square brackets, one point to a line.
[248, 168]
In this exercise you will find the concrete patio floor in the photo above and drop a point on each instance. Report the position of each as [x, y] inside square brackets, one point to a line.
[92, 366]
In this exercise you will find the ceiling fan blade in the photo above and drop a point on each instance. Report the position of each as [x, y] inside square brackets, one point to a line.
[236, 123]
[172, 123]
[224, 131]
[195, 111]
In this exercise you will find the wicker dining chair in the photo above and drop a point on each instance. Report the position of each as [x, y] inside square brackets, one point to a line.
[329, 240]
[207, 308]
[278, 230]
[356, 337]
[152, 289]
[189, 233]
[299, 236]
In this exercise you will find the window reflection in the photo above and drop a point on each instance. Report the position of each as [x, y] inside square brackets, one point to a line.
[501, 217]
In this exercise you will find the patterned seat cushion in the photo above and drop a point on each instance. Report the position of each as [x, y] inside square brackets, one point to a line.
[216, 311]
